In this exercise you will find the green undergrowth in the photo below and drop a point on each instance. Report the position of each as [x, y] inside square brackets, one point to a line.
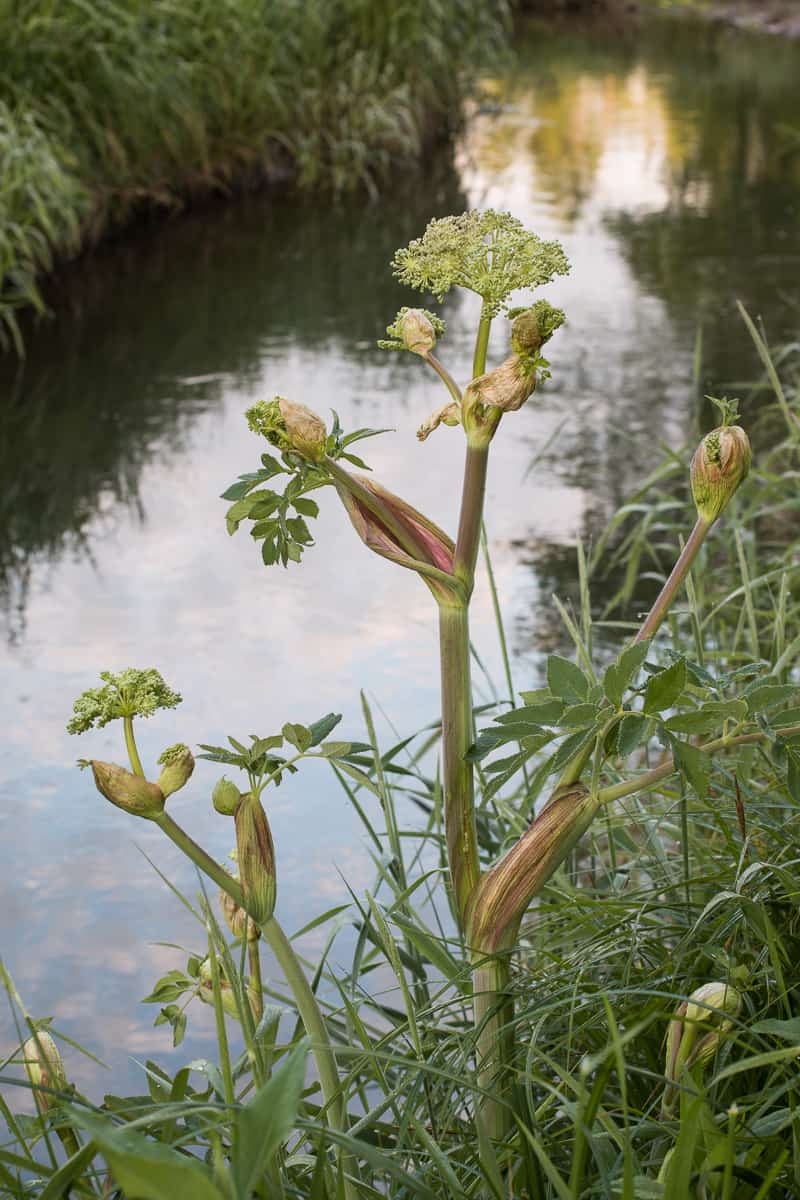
[119, 106]
[692, 882]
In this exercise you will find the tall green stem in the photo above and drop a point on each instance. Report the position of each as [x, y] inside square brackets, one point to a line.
[313, 1021]
[481, 346]
[459, 798]
[256, 989]
[471, 516]
[493, 1011]
[304, 998]
[676, 578]
[130, 745]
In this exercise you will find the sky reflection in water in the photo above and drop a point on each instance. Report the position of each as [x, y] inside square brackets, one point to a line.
[667, 167]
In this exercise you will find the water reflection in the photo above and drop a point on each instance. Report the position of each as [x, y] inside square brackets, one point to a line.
[663, 165]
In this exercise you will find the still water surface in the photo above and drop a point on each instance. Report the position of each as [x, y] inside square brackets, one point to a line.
[666, 160]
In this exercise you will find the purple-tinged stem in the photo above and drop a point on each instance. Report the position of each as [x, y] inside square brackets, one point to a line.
[677, 575]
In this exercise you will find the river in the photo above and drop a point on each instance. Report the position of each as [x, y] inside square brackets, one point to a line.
[667, 161]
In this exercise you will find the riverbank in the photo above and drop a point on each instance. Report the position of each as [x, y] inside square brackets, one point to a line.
[112, 110]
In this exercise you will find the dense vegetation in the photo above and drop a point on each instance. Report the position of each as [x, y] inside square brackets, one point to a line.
[632, 1031]
[120, 105]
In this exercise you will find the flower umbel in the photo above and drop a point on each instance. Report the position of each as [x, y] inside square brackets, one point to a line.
[488, 252]
[131, 693]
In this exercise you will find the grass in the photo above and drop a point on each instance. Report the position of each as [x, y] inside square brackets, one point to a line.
[671, 892]
[120, 106]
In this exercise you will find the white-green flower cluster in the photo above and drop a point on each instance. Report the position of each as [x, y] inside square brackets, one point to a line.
[131, 693]
[488, 252]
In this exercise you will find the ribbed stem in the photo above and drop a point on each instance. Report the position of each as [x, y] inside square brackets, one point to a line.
[459, 799]
[313, 1021]
[471, 515]
[493, 1010]
[200, 858]
[130, 745]
[444, 375]
[676, 578]
[481, 346]
[256, 989]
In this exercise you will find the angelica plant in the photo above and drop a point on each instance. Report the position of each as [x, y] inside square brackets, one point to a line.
[576, 738]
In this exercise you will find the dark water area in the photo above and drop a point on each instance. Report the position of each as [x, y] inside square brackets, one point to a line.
[666, 158]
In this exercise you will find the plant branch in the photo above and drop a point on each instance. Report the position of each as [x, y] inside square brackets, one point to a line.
[130, 745]
[444, 375]
[677, 575]
[471, 516]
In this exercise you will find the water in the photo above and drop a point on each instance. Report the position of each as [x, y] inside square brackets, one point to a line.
[667, 161]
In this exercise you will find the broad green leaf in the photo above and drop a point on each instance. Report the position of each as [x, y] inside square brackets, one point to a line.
[566, 680]
[543, 712]
[709, 717]
[306, 508]
[335, 749]
[790, 716]
[695, 765]
[767, 694]
[630, 733]
[320, 729]
[664, 688]
[264, 1124]
[577, 716]
[298, 736]
[145, 1169]
[622, 673]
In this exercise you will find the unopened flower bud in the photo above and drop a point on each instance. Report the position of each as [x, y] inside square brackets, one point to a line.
[44, 1069]
[237, 919]
[416, 331]
[720, 463]
[256, 856]
[413, 541]
[290, 427]
[206, 990]
[696, 1030]
[532, 327]
[450, 414]
[225, 797]
[178, 764]
[128, 791]
[413, 329]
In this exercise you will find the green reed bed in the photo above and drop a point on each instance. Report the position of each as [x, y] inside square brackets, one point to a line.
[577, 974]
[115, 106]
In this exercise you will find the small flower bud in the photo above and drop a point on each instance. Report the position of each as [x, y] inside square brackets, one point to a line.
[128, 791]
[44, 1069]
[291, 427]
[532, 327]
[237, 919]
[720, 463]
[695, 1032]
[256, 856]
[225, 797]
[413, 329]
[206, 990]
[178, 763]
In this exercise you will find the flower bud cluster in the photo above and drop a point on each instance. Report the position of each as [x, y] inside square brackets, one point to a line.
[290, 427]
[414, 329]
